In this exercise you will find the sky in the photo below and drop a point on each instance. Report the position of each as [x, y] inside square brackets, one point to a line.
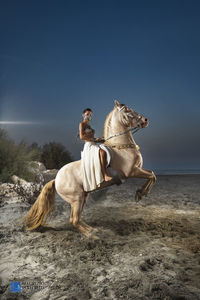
[60, 57]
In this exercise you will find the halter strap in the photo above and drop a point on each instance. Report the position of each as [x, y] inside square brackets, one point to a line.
[119, 109]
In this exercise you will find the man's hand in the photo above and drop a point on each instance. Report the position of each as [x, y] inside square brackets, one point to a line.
[99, 140]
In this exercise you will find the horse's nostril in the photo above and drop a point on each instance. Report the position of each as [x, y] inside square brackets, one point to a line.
[145, 120]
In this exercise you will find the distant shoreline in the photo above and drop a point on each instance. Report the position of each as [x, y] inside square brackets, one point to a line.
[190, 174]
[177, 172]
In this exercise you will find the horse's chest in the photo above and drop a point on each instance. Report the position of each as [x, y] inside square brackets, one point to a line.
[125, 160]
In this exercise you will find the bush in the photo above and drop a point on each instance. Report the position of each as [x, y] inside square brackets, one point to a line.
[55, 155]
[14, 158]
[36, 150]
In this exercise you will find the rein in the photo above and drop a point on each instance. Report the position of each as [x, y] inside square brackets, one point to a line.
[132, 129]
[124, 146]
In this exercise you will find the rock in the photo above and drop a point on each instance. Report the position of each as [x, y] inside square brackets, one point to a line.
[20, 192]
[38, 165]
[18, 180]
[40, 173]
[36, 168]
[49, 175]
[7, 190]
[29, 191]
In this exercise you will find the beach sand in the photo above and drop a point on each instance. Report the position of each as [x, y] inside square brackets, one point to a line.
[146, 250]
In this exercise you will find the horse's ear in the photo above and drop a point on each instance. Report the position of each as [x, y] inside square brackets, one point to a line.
[116, 103]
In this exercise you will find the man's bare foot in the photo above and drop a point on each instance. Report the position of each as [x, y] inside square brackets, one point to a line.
[107, 178]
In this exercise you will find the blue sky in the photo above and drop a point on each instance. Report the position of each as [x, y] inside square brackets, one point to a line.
[59, 57]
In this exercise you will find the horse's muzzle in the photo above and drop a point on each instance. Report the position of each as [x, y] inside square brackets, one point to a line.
[144, 124]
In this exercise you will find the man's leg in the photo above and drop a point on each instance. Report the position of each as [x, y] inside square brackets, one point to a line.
[103, 161]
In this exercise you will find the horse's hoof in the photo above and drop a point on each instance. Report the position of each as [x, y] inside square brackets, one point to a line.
[94, 237]
[95, 230]
[138, 195]
[117, 180]
[136, 198]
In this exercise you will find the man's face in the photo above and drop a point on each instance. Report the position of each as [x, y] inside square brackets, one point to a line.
[88, 113]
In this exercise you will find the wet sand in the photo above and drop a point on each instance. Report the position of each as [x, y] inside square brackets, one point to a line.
[146, 250]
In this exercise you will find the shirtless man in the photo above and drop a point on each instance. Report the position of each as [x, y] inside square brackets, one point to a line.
[86, 133]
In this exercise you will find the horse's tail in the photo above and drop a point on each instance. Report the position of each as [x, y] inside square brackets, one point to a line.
[42, 208]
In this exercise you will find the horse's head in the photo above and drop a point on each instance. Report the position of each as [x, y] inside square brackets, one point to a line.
[129, 117]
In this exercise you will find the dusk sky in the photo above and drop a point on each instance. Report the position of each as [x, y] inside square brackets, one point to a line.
[59, 57]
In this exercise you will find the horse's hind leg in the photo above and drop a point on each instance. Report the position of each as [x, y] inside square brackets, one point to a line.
[76, 220]
[90, 228]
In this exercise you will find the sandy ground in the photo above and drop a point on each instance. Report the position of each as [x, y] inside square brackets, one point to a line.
[146, 250]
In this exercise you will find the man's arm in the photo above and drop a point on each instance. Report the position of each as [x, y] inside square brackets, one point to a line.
[99, 140]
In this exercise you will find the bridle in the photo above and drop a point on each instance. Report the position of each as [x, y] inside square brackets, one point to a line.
[132, 129]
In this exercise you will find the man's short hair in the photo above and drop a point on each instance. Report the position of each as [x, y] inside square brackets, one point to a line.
[86, 110]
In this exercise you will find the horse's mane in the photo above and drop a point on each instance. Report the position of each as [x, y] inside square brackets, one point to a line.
[106, 124]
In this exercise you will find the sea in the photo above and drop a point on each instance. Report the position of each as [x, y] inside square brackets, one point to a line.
[176, 171]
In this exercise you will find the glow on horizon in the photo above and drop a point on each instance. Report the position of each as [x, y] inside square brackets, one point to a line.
[19, 123]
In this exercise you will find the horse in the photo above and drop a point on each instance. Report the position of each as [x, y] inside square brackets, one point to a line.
[126, 161]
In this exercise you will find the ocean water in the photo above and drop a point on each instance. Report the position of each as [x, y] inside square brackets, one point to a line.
[176, 171]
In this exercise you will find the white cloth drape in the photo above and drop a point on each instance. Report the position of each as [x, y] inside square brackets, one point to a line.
[91, 165]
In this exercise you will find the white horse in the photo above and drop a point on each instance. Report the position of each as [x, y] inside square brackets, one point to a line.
[126, 161]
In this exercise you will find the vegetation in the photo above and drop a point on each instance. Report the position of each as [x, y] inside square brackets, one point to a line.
[15, 158]
[54, 155]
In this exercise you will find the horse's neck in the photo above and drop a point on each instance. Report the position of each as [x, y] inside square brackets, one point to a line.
[112, 127]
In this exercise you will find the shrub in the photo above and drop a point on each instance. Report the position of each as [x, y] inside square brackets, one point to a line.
[14, 158]
[36, 151]
[55, 155]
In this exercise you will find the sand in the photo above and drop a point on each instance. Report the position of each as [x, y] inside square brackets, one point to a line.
[146, 250]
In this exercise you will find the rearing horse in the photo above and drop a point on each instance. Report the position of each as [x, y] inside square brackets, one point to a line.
[126, 161]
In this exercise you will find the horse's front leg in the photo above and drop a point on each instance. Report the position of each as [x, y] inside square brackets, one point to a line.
[145, 189]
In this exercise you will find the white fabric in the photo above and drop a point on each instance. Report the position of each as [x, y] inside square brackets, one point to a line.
[91, 165]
